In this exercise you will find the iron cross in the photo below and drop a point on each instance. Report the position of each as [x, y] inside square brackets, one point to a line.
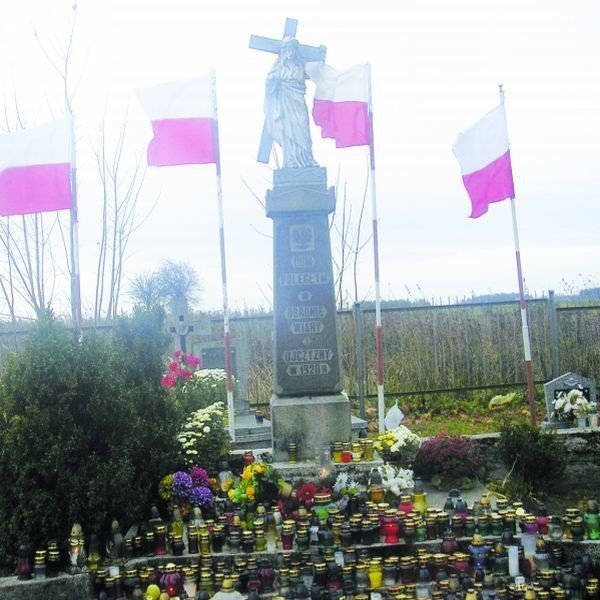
[307, 53]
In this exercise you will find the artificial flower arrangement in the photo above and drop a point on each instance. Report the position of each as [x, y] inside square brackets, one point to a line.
[187, 489]
[259, 482]
[572, 405]
[346, 489]
[397, 445]
[396, 480]
[205, 436]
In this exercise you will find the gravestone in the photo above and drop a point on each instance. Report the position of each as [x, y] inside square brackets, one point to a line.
[308, 406]
[566, 383]
[213, 357]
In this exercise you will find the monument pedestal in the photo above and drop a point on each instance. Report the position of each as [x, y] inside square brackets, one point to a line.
[310, 422]
[309, 407]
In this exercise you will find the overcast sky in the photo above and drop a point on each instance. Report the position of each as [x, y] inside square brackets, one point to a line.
[436, 66]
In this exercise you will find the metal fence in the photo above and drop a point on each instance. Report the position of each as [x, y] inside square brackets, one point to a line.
[428, 350]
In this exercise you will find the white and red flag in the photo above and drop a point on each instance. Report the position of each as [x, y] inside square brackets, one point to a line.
[484, 157]
[35, 169]
[184, 121]
[341, 103]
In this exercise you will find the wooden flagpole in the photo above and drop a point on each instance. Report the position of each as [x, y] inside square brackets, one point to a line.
[522, 303]
[226, 331]
[378, 323]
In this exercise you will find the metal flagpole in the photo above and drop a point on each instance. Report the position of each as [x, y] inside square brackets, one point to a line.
[522, 303]
[378, 325]
[226, 332]
[76, 315]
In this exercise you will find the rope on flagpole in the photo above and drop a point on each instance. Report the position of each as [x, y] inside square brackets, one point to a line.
[378, 323]
[522, 304]
[226, 331]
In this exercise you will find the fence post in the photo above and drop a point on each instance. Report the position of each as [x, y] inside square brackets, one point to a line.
[360, 364]
[552, 314]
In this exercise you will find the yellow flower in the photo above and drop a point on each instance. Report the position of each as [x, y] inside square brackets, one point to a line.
[230, 493]
[259, 468]
[226, 484]
[250, 493]
[247, 473]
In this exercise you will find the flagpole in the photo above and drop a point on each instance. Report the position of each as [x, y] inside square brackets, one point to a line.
[522, 302]
[378, 324]
[226, 332]
[76, 315]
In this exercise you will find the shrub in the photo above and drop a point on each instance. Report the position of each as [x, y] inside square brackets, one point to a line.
[449, 458]
[85, 431]
[535, 458]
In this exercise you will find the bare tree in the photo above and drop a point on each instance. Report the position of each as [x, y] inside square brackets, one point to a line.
[176, 283]
[349, 233]
[120, 192]
[145, 290]
[27, 244]
[30, 274]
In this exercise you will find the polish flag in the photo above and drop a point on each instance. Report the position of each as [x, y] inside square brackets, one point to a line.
[35, 169]
[341, 103]
[484, 157]
[184, 120]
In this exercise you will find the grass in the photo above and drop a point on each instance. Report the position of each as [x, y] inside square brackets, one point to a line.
[449, 414]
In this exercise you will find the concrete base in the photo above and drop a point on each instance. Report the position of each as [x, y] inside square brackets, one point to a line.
[310, 421]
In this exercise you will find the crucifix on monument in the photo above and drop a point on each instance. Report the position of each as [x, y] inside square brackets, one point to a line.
[303, 53]
[308, 406]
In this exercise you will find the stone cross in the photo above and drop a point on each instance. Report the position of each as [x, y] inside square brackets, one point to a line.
[307, 53]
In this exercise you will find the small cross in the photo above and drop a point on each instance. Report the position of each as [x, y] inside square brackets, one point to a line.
[307, 53]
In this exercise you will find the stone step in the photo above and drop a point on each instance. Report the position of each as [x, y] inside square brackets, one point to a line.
[249, 434]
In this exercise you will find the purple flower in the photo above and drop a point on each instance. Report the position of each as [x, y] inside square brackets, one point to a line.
[199, 476]
[182, 482]
[199, 496]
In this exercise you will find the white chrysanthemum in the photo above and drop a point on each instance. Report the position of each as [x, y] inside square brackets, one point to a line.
[340, 482]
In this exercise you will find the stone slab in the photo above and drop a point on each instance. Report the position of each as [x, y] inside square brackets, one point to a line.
[62, 587]
[306, 352]
[310, 422]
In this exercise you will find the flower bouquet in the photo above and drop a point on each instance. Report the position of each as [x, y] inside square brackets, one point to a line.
[259, 482]
[572, 405]
[396, 480]
[398, 445]
[347, 490]
[187, 489]
[180, 368]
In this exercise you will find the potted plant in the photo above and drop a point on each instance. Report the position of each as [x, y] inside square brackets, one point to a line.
[449, 461]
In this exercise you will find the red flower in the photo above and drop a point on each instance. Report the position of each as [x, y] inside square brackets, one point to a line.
[168, 381]
[306, 493]
[192, 361]
[182, 366]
